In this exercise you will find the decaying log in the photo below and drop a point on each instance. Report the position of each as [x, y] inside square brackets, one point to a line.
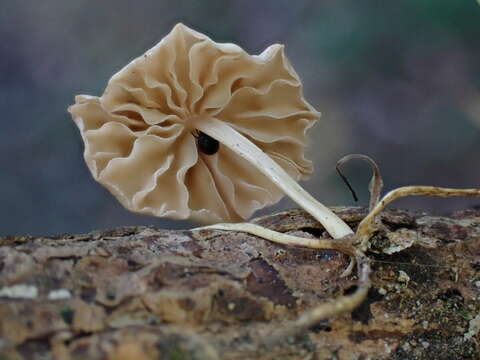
[147, 293]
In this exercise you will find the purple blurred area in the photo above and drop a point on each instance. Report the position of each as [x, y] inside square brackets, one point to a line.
[398, 81]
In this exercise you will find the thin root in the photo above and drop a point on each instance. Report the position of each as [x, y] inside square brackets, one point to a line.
[344, 244]
[335, 307]
[367, 226]
[348, 271]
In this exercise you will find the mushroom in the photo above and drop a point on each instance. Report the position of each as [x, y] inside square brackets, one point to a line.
[202, 130]
[197, 129]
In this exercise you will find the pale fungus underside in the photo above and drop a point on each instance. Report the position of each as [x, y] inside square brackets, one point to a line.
[148, 138]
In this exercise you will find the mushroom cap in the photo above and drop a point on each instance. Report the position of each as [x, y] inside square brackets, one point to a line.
[140, 139]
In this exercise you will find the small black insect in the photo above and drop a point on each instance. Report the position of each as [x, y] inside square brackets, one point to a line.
[206, 144]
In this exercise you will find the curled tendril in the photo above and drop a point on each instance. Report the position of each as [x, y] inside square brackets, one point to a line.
[376, 183]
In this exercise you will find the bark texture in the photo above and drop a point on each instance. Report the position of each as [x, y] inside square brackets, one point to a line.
[147, 293]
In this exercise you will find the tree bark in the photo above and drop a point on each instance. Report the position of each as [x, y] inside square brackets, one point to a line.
[147, 293]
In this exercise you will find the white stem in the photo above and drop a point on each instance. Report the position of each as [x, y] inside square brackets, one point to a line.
[238, 143]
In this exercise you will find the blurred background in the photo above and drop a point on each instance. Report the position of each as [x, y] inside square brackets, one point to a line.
[397, 80]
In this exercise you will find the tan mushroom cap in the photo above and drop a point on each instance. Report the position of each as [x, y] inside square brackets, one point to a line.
[139, 139]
